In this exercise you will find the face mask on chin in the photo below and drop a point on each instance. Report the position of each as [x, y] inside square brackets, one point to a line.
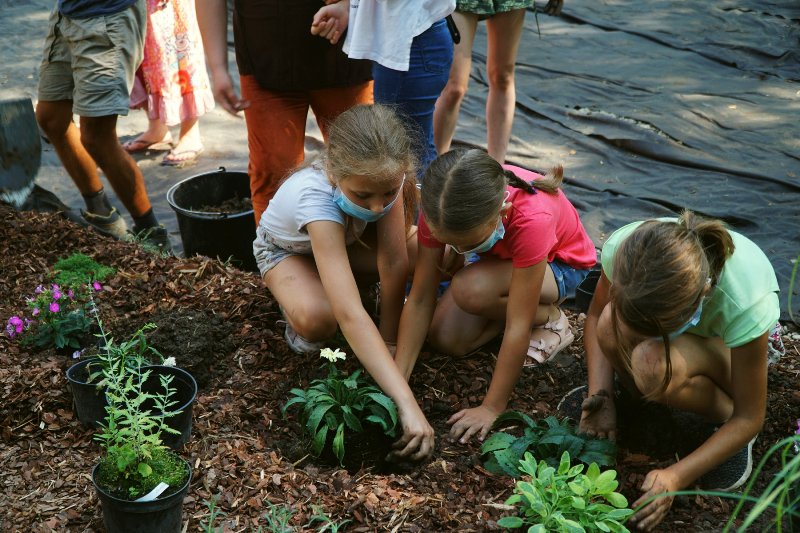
[356, 211]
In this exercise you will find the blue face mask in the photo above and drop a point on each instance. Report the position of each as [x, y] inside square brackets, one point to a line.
[356, 211]
[690, 324]
[486, 245]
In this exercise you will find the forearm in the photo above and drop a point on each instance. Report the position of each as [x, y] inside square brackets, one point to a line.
[371, 351]
[508, 368]
[414, 324]
[599, 368]
[393, 285]
[212, 18]
[731, 437]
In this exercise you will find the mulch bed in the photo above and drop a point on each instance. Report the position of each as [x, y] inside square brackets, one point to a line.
[219, 322]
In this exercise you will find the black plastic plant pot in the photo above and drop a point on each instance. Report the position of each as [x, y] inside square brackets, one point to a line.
[88, 402]
[215, 233]
[585, 290]
[162, 515]
[185, 393]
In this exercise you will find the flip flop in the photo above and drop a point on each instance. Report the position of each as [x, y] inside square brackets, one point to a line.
[181, 158]
[540, 352]
[142, 145]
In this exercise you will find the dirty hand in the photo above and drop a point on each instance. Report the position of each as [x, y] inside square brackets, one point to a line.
[599, 417]
[553, 7]
[225, 95]
[468, 422]
[331, 21]
[657, 482]
[416, 442]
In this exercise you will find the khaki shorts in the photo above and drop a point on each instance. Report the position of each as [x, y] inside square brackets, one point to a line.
[487, 8]
[92, 61]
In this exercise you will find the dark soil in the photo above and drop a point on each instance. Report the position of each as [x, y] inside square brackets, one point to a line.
[221, 322]
[229, 206]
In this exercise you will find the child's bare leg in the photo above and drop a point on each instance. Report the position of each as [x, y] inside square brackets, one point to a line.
[700, 381]
[296, 285]
[456, 332]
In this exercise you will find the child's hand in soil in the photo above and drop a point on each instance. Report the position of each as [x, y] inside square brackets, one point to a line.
[599, 417]
[468, 422]
[416, 442]
[657, 482]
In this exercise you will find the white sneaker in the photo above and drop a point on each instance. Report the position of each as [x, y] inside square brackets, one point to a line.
[299, 344]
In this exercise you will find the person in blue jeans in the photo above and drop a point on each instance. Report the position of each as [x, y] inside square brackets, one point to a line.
[412, 50]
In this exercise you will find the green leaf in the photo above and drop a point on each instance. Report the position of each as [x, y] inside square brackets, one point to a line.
[497, 441]
[617, 500]
[338, 444]
[511, 522]
[606, 482]
[387, 403]
[538, 528]
[319, 440]
[508, 462]
[578, 503]
[144, 469]
[593, 472]
[351, 420]
[563, 466]
[316, 417]
[513, 417]
[599, 524]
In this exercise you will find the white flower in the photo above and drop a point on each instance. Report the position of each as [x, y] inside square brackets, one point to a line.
[332, 355]
[169, 361]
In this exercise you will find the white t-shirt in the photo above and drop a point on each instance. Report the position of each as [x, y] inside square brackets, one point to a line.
[382, 30]
[305, 197]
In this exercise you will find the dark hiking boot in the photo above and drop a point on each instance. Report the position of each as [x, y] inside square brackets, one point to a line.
[112, 225]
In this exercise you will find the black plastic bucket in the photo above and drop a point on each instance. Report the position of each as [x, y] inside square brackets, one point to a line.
[163, 515]
[185, 392]
[88, 402]
[585, 290]
[215, 234]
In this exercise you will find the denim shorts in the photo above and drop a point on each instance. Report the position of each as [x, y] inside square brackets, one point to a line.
[567, 278]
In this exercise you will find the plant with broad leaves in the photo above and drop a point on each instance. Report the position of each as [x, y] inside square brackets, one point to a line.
[136, 460]
[501, 452]
[566, 499]
[338, 405]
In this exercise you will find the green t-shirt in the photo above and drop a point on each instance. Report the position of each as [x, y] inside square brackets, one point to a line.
[744, 304]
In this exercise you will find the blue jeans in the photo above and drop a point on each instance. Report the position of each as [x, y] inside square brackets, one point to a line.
[567, 278]
[414, 92]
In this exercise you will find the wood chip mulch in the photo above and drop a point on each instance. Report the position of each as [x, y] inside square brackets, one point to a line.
[242, 449]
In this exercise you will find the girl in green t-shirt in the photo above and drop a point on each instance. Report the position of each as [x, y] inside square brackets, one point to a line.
[683, 314]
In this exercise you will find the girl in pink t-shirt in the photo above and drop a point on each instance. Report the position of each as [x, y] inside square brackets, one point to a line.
[533, 248]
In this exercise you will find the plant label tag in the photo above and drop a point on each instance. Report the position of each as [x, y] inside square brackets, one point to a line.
[153, 494]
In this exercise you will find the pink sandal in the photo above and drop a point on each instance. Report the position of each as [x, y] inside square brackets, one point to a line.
[541, 351]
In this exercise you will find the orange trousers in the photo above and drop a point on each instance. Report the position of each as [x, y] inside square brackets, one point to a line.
[276, 130]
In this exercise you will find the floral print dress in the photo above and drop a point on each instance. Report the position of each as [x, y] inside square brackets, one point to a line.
[172, 82]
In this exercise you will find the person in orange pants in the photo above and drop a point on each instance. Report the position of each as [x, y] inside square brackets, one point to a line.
[284, 71]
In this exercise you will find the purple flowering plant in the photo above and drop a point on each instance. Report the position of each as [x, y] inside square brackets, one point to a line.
[57, 317]
[58, 311]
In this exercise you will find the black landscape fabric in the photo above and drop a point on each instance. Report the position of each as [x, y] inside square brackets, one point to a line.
[657, 106]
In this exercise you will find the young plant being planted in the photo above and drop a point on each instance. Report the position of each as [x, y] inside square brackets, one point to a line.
[502, 452]
[339, 405]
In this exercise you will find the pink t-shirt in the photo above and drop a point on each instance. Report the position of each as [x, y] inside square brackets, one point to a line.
[538, 227]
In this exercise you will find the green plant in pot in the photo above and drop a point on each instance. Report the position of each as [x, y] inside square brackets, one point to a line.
[139, 481]
[339, 405]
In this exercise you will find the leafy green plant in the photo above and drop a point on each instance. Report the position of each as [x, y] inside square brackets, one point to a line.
[132, 354]
[214, 512]
[501, 452]
[79, 270]
[338, 405]
[327, 523]
[278, 519]
[565, 499]
[135, 460]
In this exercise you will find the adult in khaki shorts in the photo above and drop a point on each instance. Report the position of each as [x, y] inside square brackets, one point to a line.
[90, 56]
